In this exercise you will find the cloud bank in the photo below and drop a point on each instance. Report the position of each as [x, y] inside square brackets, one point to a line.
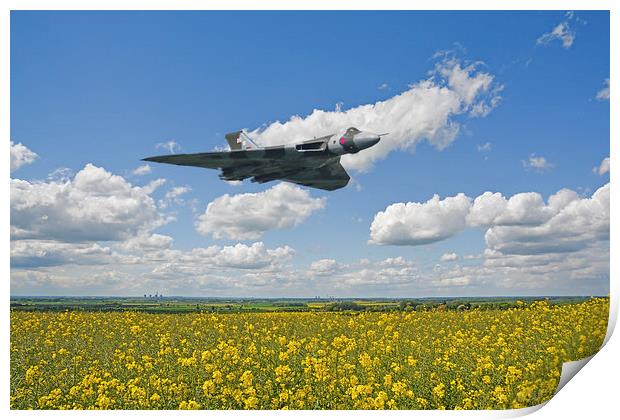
[426, 111]
[521, 224]
[95, 206]
[36, 253]
[393, 272]
[93, 232]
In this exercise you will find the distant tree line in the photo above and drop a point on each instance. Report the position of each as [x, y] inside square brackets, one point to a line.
[422, 306]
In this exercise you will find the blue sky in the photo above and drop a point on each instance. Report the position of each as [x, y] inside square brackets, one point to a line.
[107, 87]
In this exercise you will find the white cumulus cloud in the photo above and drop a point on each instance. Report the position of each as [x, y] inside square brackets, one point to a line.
[603, 168]
[522, 224]
[95, 205]
[532, 245]
[426, 111]
[420, 223]
[466, 81]
[248, 216]
[520, 209]
[21, 155]
[575, 224]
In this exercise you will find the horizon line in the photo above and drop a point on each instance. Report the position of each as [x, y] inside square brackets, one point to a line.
[304, 297]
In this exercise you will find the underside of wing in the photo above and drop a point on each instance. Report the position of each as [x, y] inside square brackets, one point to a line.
[328, 177]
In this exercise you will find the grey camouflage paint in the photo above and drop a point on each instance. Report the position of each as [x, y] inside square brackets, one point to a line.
[313, 163]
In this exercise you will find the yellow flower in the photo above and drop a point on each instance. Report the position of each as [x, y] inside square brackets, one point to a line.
[251, 403]
[500, 395]
[217, 377]
[103, 402]
[387, 379]
[32, 373]
[439, 391]
[365, 360]
[399, 388]
[208, 387]
[246, 379]
[282, 373]
[189, 405]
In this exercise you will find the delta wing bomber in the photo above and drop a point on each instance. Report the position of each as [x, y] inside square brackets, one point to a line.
[312, 163]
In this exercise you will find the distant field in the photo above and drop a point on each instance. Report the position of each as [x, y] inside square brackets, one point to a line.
[402, 358]
[184, 305]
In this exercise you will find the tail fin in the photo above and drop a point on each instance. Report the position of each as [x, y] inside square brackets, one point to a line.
[240, 141]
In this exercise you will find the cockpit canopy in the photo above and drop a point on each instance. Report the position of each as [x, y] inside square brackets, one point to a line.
[351, 131]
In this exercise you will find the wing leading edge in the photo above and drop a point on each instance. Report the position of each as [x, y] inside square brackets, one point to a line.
[203, 160]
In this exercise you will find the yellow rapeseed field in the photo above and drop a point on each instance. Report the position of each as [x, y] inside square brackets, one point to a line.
[313, 360]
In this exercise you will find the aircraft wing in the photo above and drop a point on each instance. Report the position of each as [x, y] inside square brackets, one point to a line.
[328, 177]
[264, 165]
[212, 160]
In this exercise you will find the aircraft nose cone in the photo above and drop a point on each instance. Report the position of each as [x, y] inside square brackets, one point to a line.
[365, 140]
